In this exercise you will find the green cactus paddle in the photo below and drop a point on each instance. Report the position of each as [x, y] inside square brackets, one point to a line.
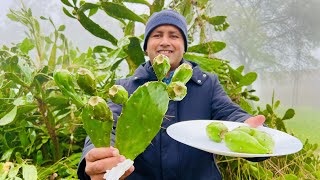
[141, 119]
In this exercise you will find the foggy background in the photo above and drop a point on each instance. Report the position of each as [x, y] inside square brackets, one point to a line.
[278, 40]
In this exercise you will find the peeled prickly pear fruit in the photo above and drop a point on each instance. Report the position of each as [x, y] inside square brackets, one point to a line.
[246, 129]
[183, 73]
[240, 141]
[118, 94]
[86, 81]
[141, 119]
[98, 121]
[265, 140]
[161, 66]
[216, 131]
[177, 91]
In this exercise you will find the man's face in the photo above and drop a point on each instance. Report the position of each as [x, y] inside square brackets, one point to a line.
[166, 40]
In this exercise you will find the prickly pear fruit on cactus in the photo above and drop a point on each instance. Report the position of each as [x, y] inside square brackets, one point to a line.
[63, 79]
[141, 119]
[161, 66]
[216, 130]
[177, 91]
[86, 81]
[118, 94]
[183, 73]
[239, 140]
[98, 121]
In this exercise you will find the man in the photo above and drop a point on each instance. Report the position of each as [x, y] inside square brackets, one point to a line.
[165, 158]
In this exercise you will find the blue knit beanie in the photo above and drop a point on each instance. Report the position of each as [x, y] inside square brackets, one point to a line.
[166, 17]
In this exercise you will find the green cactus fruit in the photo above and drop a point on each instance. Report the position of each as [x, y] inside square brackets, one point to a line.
[118, 94]
[64, 80]
[265, 140]
[216, 130]
[177, 91]
[240, 141]
[161, 66]
[98, 121]
[183, 73]
[86, 81]
[141, 119]
[246, 129]
[99, 108]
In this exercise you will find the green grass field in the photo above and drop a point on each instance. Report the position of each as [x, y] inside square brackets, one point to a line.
[305, 124]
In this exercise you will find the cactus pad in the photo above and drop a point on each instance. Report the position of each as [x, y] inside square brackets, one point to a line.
[141, 119]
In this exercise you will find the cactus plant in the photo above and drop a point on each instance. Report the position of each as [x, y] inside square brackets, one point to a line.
[64, 80]
[98, 121]
[141, 119]
[183, 73]
[161, 66]
[177, 91]
[141, 116]
[118, 94]
[86, 81]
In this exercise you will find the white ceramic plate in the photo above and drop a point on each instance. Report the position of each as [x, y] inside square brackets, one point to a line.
[193, 133]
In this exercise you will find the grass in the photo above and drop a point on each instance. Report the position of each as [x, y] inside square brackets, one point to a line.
[305, 124]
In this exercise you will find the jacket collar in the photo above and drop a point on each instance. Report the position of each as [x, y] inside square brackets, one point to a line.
[145, 72]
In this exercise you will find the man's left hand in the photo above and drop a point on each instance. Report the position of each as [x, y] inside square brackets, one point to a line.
[255, 121]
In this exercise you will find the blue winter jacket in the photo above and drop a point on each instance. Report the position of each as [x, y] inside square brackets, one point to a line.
[165, 158]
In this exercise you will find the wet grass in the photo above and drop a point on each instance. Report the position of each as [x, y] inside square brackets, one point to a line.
[305, 124]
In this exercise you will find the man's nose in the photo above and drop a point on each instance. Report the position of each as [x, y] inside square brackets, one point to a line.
[165, 41]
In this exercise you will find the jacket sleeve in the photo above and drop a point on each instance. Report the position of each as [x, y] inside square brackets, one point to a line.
[222, 106]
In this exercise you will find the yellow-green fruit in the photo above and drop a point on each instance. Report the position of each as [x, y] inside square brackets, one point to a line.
[246, 129]
[118, 94]
[99, 109]
[176, 91]
[240, 141]
[86, 81]
[183, 73]
[216, 130]
[264, 139]
[161, 66]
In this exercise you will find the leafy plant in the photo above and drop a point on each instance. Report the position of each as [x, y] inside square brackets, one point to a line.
[39, 125]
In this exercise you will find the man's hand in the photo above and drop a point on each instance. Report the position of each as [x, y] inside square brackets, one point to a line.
[98, 160]
[255, 121]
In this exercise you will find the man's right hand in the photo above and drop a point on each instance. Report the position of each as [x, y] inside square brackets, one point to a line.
[98, 160]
